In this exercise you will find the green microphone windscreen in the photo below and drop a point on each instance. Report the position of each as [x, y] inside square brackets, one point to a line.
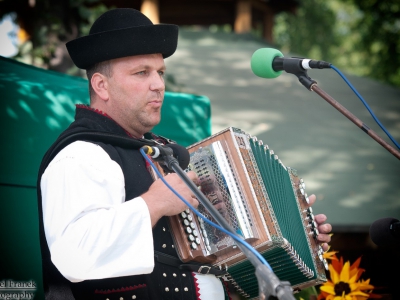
[261, 62]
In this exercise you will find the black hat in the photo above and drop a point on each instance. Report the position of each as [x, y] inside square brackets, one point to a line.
[119, 33]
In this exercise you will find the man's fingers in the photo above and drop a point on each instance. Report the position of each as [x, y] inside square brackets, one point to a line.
[193, 176]
[325, 247]
[320, 218]
[325, 228]
[324, 238]
[311, 199]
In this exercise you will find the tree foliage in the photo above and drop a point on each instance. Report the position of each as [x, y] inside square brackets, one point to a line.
[48, 25]
[358, 36]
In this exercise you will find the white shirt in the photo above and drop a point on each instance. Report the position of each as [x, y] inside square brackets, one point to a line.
[91, 231]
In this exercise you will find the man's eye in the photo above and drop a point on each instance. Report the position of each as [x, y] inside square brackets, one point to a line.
[141, 73]
[161, 73]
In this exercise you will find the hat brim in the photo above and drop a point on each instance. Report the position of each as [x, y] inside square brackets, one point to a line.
[91, 49]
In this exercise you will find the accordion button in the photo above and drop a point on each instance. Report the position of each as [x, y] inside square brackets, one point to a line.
[167, 289]
[191, 238]
[176, 290]
[183, 274]
[197, 241]
[165, 275]
[164, 245]
[163, 228]
[195, 233]
[186, 222]
[188, 230]
[326, 265]
[185, 289]
[190, 218]
[192, 225]
[174, 275]
[183, 215]
[134, 297]
[194, 245]
[187, 210]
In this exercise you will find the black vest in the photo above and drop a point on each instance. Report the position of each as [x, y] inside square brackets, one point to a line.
[165, 282]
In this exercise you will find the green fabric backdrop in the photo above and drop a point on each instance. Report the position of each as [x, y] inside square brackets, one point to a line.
[36, 105]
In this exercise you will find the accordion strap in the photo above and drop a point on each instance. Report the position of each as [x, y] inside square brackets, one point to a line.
[192, 266]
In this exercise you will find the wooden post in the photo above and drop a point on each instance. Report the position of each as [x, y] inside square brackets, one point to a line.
[243, 16]
[268, 26]
[151, 10]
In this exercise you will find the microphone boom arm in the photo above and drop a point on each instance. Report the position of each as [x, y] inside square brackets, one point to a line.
[315, 88]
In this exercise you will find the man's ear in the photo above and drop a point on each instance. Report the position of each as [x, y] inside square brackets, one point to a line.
[100, 86]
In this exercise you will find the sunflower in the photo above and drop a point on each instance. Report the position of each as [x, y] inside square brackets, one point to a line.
[345, 283]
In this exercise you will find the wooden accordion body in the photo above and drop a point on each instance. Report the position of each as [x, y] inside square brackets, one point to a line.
[264, 201]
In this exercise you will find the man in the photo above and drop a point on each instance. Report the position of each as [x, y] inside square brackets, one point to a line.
[103, 229]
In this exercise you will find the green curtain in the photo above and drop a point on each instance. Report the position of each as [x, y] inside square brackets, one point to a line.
[36, 106]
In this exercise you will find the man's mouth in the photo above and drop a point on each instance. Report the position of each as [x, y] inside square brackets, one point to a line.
[155, 102]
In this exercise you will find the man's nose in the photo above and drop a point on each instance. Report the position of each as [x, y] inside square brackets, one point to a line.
[157, 82]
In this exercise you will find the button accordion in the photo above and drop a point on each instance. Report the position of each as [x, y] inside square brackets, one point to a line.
[263, 200]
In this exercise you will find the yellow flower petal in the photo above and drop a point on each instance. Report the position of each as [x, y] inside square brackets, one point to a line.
[334, 274]
[353, 279]
[361, 286]
[344, 275]
[328, 289]
[359, 293]
[330, 255]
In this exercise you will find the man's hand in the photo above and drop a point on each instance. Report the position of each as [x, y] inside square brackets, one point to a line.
[324, 228]
[161, 201]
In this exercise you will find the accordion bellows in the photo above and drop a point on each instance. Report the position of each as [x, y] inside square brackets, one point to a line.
[264, 201]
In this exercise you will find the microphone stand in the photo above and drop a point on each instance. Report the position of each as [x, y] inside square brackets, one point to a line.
[270, 287]
[311, 85]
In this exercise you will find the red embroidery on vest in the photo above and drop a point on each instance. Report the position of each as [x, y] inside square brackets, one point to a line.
[196, 285]
[123, 289]
[225, 283]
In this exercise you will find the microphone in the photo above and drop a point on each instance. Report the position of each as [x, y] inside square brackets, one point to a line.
[269, 63]
[385, 232]
[160, 151]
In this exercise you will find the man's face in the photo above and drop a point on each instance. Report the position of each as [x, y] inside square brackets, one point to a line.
[136, 92]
